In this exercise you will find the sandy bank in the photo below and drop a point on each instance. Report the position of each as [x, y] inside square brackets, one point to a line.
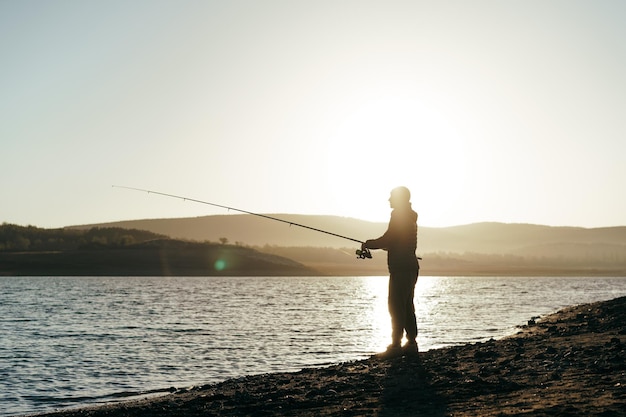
[570, 363]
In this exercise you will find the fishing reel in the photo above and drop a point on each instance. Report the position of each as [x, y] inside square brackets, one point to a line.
[363, 254]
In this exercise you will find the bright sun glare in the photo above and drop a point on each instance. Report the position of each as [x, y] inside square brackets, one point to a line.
[389, 142]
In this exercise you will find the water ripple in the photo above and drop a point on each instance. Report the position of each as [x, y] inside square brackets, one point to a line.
[70, 341]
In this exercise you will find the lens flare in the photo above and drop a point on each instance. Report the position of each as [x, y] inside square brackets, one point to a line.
[220, 265]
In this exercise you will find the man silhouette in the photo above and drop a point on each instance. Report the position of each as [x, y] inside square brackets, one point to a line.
[400, 242]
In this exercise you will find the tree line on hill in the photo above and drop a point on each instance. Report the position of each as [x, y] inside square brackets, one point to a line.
[109, 251]
[30, 238]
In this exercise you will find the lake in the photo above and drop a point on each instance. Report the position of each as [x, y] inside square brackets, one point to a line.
[73, 341]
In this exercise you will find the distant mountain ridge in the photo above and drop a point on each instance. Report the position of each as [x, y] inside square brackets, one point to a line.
[257, 231]
[524, 239]
[482, 238]
[249, 245]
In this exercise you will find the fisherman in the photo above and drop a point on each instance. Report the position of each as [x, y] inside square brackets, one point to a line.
[400, 242]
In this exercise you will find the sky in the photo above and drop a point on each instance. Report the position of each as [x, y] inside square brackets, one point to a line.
[506, 111]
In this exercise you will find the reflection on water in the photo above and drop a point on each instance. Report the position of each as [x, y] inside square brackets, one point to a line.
[68, 341]
[469, 309]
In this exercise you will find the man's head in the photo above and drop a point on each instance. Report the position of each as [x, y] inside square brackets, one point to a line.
[400, 196]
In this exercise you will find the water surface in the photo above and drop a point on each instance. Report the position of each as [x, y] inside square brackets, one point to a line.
[70, 341]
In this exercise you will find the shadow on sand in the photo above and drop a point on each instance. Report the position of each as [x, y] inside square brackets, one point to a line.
[407, 391]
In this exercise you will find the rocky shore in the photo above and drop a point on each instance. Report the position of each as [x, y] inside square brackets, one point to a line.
[571, 363]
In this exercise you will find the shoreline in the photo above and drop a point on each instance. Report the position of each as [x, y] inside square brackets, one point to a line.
[572, 362]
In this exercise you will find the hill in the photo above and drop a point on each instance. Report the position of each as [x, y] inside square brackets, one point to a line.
[256, 231]
[484, 238]
[118, 252]
[474, 249]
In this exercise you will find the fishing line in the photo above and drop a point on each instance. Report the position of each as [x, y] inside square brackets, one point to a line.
[361, 253]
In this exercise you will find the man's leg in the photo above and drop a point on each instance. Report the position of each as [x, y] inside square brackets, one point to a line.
[410, 321]
[396, 306]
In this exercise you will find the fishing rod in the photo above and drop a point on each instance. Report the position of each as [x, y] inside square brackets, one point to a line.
[361, 253]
